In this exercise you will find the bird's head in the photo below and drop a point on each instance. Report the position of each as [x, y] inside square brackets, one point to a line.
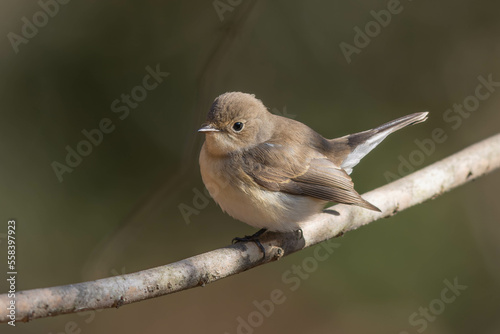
[236, 121]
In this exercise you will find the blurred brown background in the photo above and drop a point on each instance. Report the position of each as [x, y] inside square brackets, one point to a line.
[117, 211]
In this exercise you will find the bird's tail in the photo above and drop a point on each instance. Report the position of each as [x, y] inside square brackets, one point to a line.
[356, 146]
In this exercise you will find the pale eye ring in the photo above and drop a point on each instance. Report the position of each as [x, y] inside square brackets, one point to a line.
[238, 126]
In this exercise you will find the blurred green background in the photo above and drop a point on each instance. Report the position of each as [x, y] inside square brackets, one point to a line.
[117, 211]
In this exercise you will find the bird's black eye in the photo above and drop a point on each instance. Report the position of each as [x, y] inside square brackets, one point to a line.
[238, 126]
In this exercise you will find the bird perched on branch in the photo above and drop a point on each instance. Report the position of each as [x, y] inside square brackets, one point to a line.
[273, 172]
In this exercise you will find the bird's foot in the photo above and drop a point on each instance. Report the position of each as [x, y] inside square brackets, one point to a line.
[255, 238]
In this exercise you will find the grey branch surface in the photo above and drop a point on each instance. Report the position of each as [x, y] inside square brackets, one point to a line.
[425, 184]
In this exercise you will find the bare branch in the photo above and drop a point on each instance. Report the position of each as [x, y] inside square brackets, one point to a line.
[428, 183]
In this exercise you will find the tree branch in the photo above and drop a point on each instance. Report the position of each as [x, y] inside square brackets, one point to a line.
[428, 183]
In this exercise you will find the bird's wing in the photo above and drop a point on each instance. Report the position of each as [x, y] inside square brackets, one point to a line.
[278, 168]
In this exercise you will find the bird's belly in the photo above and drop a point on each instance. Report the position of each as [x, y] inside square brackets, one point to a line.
[274, 211]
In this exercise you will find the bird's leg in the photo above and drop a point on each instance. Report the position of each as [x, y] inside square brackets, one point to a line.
[255, 238]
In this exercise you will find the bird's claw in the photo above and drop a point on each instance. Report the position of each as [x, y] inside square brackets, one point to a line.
[255, 238]
[300, 233]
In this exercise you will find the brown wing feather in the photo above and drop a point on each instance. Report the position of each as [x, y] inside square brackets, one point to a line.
[325, 181]
[278, 169]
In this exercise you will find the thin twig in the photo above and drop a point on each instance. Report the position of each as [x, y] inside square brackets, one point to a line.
[428, 183]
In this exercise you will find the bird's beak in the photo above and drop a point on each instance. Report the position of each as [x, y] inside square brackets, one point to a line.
[208, 128]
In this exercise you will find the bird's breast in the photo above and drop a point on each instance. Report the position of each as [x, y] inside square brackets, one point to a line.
[243, 199]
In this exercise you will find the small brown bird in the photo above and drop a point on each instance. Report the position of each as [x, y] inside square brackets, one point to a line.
[272, 172]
